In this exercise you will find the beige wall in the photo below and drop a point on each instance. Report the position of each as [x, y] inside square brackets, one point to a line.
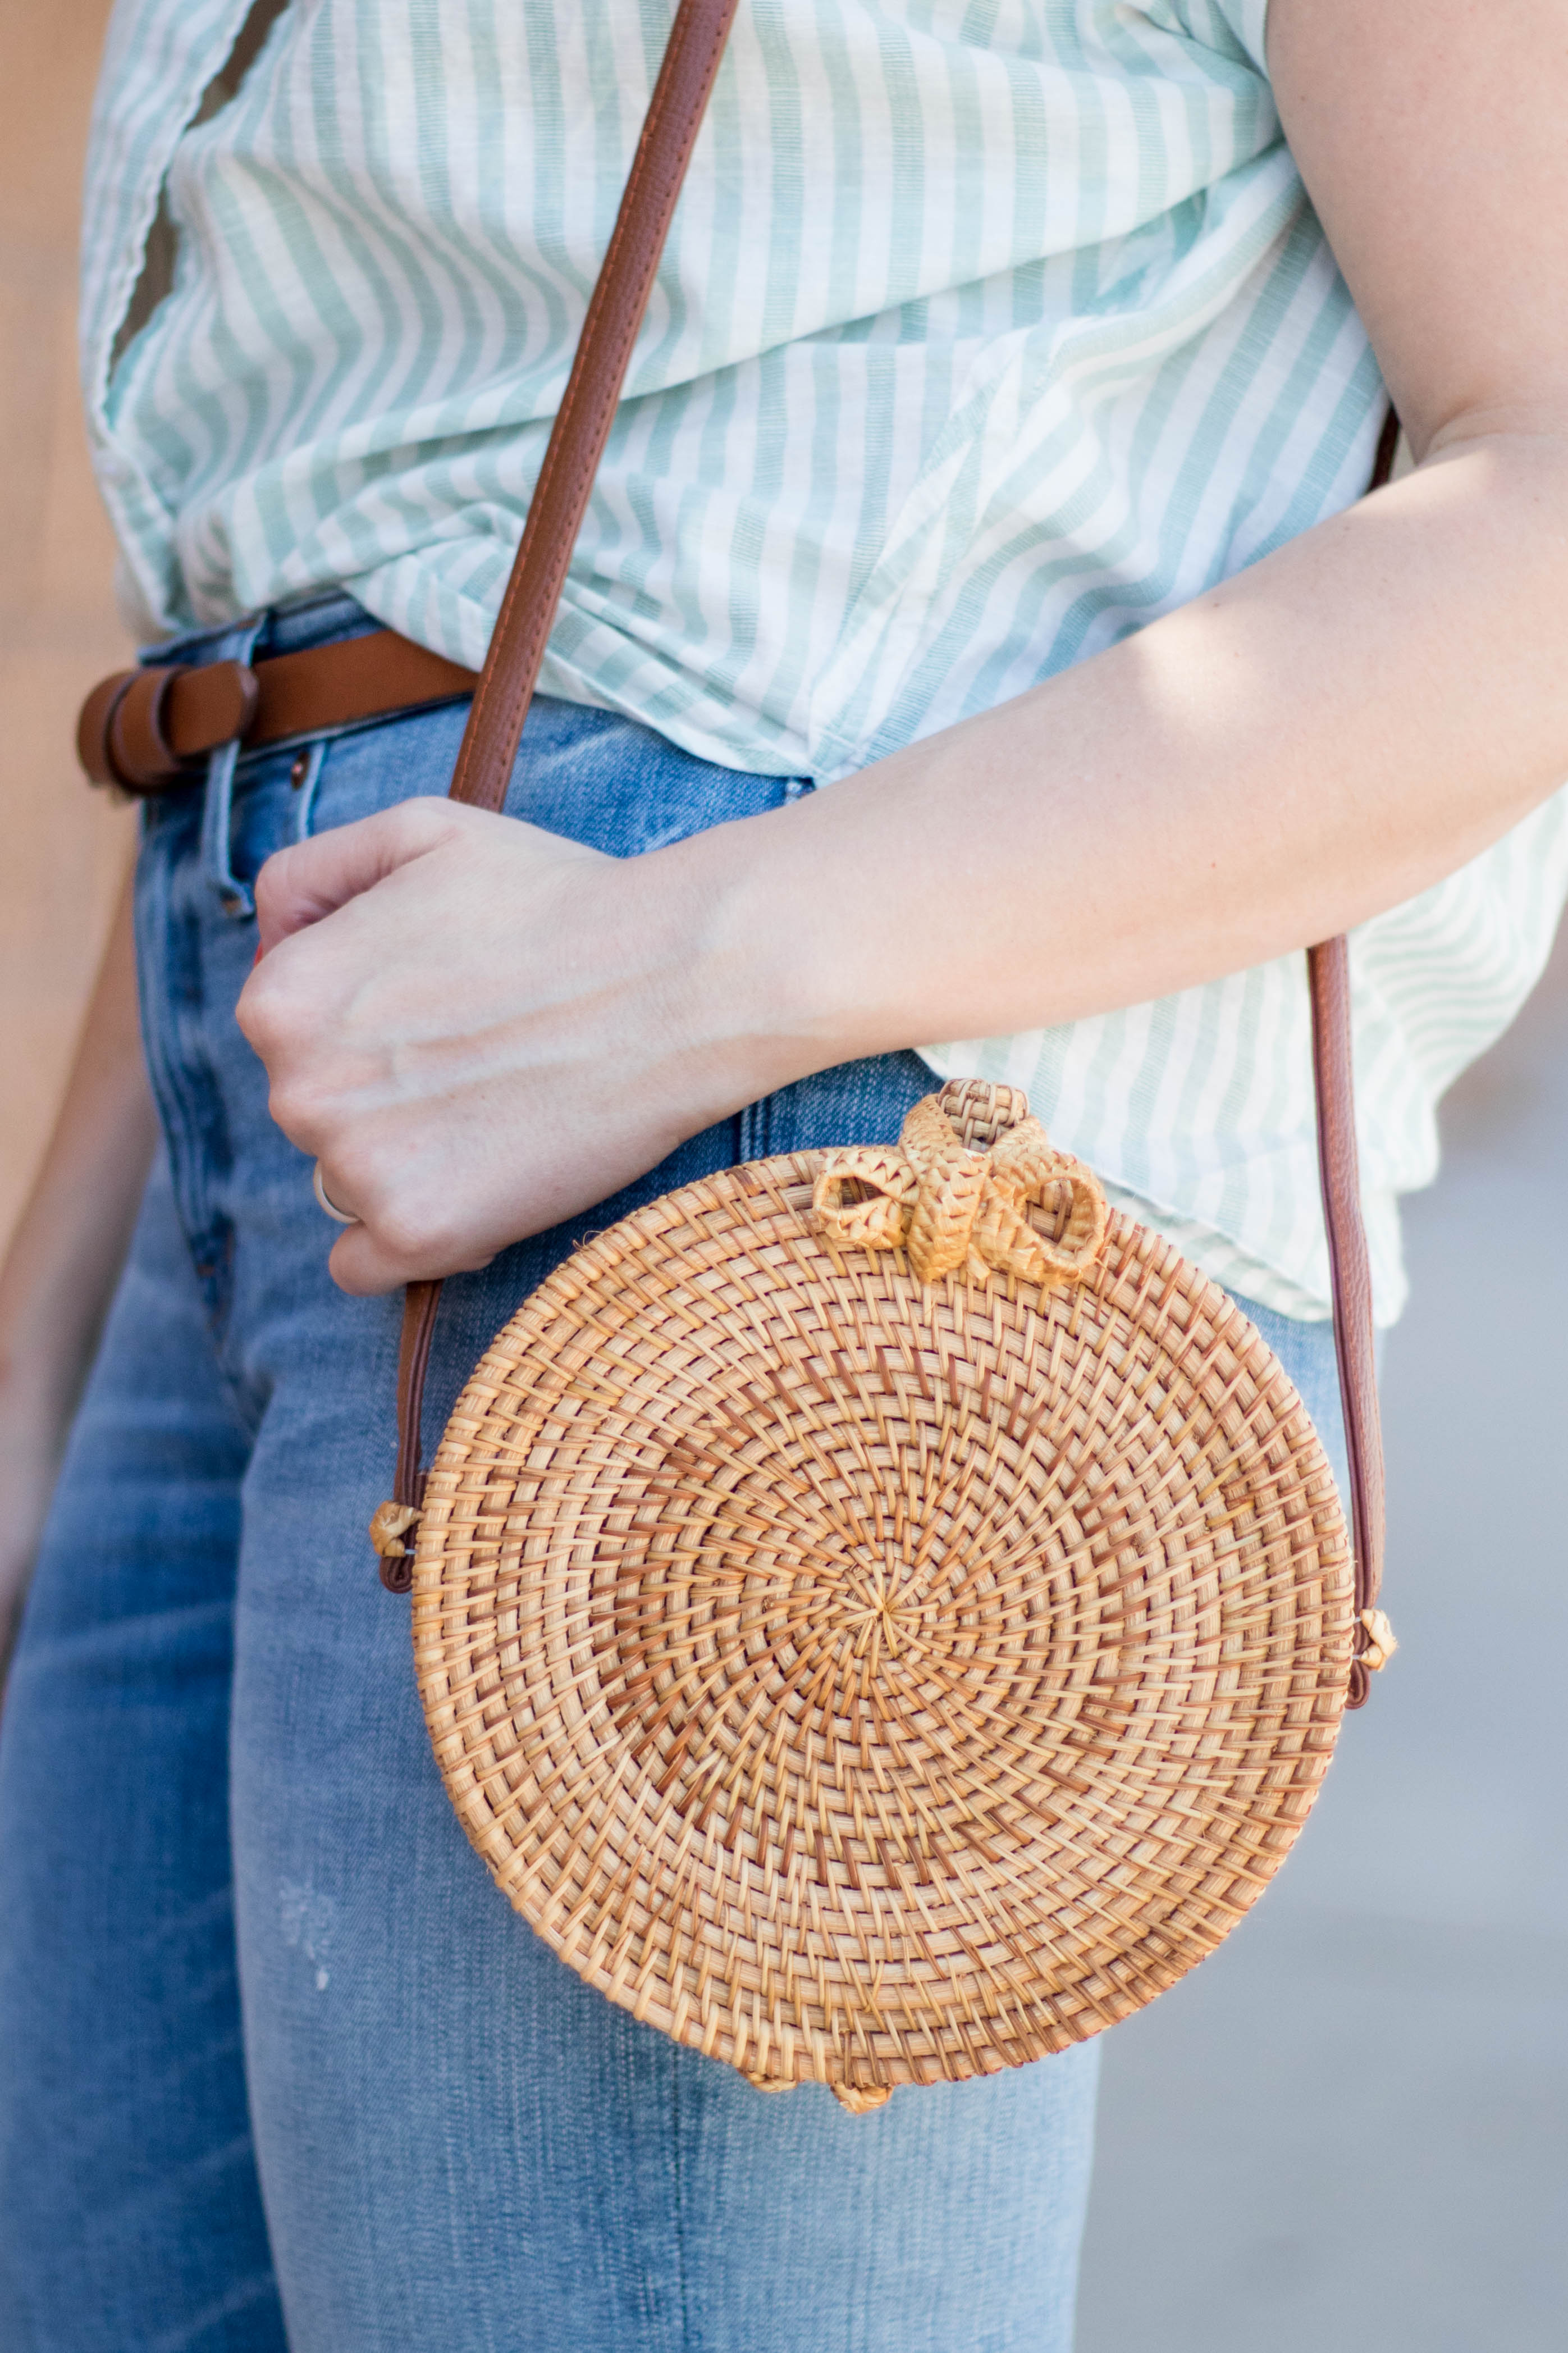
[65, 847]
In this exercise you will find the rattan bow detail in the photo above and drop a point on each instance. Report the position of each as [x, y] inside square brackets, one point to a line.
[955, 1191]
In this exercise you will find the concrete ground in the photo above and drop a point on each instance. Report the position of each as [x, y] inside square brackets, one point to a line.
[1348, 2131]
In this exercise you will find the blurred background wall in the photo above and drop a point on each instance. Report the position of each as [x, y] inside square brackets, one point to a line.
[65, 846]
[1348, 2131]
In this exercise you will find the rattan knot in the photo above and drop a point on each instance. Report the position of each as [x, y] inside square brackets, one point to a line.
[390, 1523]
[1380, 1642]
[955, 1189]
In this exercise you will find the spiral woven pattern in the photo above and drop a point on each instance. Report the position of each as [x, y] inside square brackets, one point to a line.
[873, 1681]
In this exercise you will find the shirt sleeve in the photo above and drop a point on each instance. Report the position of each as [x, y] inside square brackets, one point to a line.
[1235, 28]
[1247, 21]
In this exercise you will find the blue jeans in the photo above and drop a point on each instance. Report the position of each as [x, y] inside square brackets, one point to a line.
[279, 2064]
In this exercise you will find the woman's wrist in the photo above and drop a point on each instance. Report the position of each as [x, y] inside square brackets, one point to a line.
[768, 977]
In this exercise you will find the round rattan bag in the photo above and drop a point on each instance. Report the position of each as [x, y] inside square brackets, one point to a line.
[882, 1617]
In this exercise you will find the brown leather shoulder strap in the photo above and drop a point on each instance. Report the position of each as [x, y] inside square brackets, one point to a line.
[555, 518]
[588, 406]
[1350, 1268]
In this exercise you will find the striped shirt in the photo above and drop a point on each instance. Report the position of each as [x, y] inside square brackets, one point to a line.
[986, 333]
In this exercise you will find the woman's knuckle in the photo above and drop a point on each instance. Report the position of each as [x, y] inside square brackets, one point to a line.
[401, 1231]
[301, 1106]
[272, 881]
[266, 1011]
[415, 824]
[287, 1107]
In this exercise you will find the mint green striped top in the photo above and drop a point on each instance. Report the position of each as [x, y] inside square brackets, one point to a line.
[988, 329]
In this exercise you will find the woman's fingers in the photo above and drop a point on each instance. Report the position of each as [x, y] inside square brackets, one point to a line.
[364, 1264]
[311, 879]
[470, 1023]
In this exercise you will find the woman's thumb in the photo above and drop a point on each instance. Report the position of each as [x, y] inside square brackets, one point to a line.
[309, 880]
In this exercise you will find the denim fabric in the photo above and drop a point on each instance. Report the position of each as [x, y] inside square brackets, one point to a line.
[282, 2067]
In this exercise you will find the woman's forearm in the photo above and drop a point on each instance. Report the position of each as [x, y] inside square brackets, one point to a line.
[1318, 739]
[481, 1030]
[71, 1238]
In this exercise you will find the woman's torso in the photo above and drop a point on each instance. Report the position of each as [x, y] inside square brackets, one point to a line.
[984, 334]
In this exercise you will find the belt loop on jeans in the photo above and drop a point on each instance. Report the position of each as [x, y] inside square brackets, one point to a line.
[306, 776]
[218, 812]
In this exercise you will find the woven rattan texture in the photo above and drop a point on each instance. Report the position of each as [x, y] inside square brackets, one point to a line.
[871, 1680]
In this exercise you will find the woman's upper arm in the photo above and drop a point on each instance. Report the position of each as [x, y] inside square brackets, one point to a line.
[1430, 134]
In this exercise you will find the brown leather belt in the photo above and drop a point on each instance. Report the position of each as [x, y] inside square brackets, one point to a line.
[149, 731]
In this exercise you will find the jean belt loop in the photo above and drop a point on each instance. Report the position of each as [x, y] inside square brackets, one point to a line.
[217, 811]
[305, 777]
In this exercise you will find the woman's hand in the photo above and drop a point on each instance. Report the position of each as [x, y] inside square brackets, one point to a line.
[478, 1028]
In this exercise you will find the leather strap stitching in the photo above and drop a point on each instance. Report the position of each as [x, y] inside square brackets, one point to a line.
[539, 572]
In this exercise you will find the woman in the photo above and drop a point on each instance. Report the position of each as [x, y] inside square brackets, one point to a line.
[975, 634]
